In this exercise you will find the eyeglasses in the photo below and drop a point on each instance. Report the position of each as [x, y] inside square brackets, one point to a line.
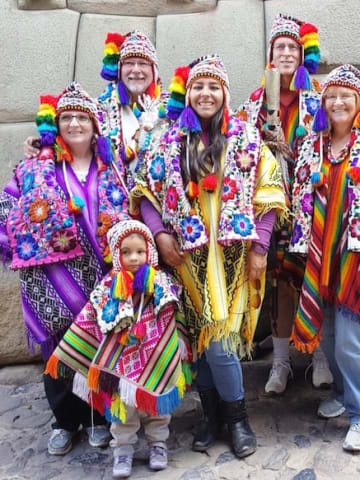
[81, 118]
[281, 47]
[343, 97]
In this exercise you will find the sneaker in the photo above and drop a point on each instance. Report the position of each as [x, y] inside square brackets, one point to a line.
[122, 466]
[321, 375]
[99, 435]
[330, 408]
[352, 439]
[60, 441]
[278, 377]
[158, 458]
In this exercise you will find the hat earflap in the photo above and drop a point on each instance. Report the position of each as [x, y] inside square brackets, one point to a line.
[110, 68]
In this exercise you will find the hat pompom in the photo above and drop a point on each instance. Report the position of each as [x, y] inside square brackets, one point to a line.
[189, 121]
[209, 183]
[192, 189]
[45, 120]
[75, 204]
[110, 66]
[177, 89]
[138, 330]
[310, 40]
[320, 120]
[300, 131]
[354, 174]
[318, 179]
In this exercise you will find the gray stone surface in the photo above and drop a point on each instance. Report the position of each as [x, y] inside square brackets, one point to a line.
[237, 37]
[40, 4]
[141, 8]
[282, 425]
[37, 54]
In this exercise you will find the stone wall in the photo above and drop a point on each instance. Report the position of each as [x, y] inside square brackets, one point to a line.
[48, 43]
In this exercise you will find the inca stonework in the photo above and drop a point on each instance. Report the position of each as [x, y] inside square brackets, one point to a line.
[48, 43]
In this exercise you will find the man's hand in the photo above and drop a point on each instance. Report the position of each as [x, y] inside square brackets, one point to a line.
[169, 249]
[256, 264]
[31, 147]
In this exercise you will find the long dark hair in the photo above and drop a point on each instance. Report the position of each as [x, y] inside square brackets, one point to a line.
[208, 160]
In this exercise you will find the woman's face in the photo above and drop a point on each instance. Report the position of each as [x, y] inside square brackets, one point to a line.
[76, 128]
[341, 105]
[206, 97]
[286, 55]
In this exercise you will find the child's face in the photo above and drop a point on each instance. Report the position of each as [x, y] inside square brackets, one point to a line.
[133, 252]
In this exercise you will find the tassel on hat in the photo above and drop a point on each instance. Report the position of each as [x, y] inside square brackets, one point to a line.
[45, 120]
[110, 68]
[189, 121]
[176, 103]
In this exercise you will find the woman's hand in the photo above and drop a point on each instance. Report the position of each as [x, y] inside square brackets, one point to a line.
[30, 147]
[256, 264]
[169, 249]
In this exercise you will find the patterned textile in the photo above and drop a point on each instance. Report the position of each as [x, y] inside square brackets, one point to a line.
[110, 373]
[53, 293]
[345, 76]
[332, 269]
[74, 97]
[214, 230]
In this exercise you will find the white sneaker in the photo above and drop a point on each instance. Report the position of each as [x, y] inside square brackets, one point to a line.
[352, 439]
[122, 466]
[330, 408]
[278, 377]
[321, 375]
[158, 458]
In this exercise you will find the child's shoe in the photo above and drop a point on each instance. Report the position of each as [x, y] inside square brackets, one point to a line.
[122, 466]
[158, 458]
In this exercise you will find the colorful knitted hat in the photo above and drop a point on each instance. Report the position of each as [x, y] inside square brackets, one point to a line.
[184, 77]
[125, 228]
[133, 44]
[344, 76]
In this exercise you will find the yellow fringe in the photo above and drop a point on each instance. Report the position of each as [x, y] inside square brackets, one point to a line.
[93, 378]
[181, 385]
[52, 367]
[117, 408]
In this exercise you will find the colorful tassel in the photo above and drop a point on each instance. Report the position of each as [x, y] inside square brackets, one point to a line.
[123, 337]
[122, 285]
[161, 111]
[225, 122]
[75, 204]
[144, 279]
[146, 402]
[356, 123]
[177, 90]
[130, 154]
[138, 330]
[52, 367]
[300, 131]
[354, 174]
[97, 402]
[45, 120]
[153, 90]
[318, 179]
[136, 111]
[122, 93]
[192, 189]
[93, 378]
[167, 402]
[118, 409]
[62, 151]
[110, 68]
[209, 183]
[320, 120]
[310, 40]
[301, 79]
[189, 121]
[105, 149]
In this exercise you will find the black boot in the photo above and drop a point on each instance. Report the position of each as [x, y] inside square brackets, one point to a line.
[209, 430]
[243, 440]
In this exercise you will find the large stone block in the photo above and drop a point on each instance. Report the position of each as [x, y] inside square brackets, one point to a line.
[91, 40]
[338, 24]
[37, 56]
[235, 30]
[40, 4]
[148, 8]
[12, 138]
[13, 347]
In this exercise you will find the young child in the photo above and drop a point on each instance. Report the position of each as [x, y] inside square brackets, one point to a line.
[124, 351]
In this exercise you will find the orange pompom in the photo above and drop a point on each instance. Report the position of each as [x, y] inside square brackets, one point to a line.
[192, 189]
[225, 122]
[209, 183]
[182, 72]
[306, 28]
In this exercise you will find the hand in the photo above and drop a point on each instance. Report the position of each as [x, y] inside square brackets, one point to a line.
[256, 264]
[31, 150]
[275, 140]
[169, 249]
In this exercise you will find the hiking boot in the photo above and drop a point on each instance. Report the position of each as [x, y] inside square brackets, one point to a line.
[60, 441]
[321, 374]
[243, 440]
[99, 435]
[330, 408]
[278, 377]
[158, 458]
[209, 429]
[122, 466]
[352, 439]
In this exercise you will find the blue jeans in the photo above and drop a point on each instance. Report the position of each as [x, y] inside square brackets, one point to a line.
[217, 368]
[341, 345]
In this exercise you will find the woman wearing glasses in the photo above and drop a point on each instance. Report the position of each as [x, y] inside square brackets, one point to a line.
[293, 52]
[54, 216]
[326, 203]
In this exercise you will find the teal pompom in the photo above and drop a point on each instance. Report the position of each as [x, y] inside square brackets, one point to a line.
[300, 131]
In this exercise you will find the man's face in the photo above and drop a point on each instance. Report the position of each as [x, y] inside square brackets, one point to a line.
[286, 55]
[137, 74]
